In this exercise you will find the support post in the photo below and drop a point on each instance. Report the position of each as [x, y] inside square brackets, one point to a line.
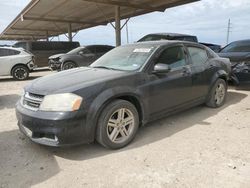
[70, 32]
[117, 26]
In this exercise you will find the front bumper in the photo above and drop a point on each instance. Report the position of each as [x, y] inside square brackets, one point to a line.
[53, 128]
[54, 65]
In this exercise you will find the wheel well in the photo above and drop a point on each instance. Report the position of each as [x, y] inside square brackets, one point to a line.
[224, 77]
[135, 102]
[20, 64]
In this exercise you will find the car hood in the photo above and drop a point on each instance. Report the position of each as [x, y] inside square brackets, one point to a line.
[56, 56]
[72, 80]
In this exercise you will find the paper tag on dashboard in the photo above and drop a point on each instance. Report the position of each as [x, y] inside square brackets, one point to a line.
[142, 50]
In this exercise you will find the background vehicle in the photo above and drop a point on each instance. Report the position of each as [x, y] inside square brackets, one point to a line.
[239, 54]
[176, 36]
[128, 86]
[168, 36]
[215, 47]
[43, 49]
[81, 56]
[16, 62]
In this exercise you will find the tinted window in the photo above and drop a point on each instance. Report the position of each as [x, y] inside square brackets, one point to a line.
[8, 52]
[241, 46]
[92, 49]
[166, 37]
[198, 55]
[47, 46]
[173, 56]
[102, 49]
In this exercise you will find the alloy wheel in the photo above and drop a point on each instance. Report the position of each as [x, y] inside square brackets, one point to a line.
[120, 125]
[220, 92]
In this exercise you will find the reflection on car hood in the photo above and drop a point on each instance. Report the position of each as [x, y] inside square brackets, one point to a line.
[72, 80]
[55, 56]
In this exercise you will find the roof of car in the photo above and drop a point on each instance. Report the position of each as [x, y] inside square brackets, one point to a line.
[171, 34]
[162, 43]
[246, 40]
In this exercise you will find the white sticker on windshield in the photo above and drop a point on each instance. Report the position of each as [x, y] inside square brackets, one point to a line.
[142, 50]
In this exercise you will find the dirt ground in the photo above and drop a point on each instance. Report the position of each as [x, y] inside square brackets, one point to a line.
[201, 147]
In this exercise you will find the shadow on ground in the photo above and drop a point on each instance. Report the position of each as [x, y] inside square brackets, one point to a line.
[22, 163]
[152, 132]
[8, 101]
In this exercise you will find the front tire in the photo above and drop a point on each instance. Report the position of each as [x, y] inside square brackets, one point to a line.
[218, 94]
[20, 72]
[68, 65]
[117, 124]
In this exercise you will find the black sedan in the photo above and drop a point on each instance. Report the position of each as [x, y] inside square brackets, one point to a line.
[127, 87]
[78, 57]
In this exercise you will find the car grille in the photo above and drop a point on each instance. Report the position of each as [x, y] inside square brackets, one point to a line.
[32, 101]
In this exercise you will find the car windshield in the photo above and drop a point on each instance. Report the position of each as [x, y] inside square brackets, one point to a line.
[75, 51]
[125, 58]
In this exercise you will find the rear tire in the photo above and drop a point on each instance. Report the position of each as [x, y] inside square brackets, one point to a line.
[218, 94]
[20, 72]
[117, 124]
[68, 65]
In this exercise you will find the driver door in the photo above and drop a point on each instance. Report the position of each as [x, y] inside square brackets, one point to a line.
[174, 88]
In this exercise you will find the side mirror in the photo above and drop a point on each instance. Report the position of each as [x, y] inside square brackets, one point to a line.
[161, 68]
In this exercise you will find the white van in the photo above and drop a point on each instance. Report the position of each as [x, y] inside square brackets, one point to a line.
[16, 62]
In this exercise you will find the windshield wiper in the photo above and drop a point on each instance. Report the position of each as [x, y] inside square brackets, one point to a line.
[103, 67]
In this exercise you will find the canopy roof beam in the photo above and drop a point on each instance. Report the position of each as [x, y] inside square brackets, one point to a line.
[127, 4]
[57, 20]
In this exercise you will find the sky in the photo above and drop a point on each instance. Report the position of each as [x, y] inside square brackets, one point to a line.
[207, 19]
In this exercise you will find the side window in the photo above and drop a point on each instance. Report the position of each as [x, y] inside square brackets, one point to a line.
[8, 52]
[102, 49]
[198, 55]
[84, 51]
[91, 49]
[173, 56]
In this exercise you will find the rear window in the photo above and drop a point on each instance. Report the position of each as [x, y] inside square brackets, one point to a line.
[166, 37]
[103, 49]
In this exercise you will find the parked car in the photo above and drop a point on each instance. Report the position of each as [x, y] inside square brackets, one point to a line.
[239, 54]
[177, 36]
[81, 56]
[16, 62]
[127, 87]
[43, 49]
[168, 36]
[215, 47]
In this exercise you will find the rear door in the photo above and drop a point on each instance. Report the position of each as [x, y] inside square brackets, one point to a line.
[198, 58]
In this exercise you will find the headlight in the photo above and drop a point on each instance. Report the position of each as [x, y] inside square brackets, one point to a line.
[61, 102]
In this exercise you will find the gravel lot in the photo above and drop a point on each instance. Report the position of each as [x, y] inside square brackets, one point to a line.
[201, 147]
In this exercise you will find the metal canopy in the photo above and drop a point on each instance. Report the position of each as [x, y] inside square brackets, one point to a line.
[41, 19]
